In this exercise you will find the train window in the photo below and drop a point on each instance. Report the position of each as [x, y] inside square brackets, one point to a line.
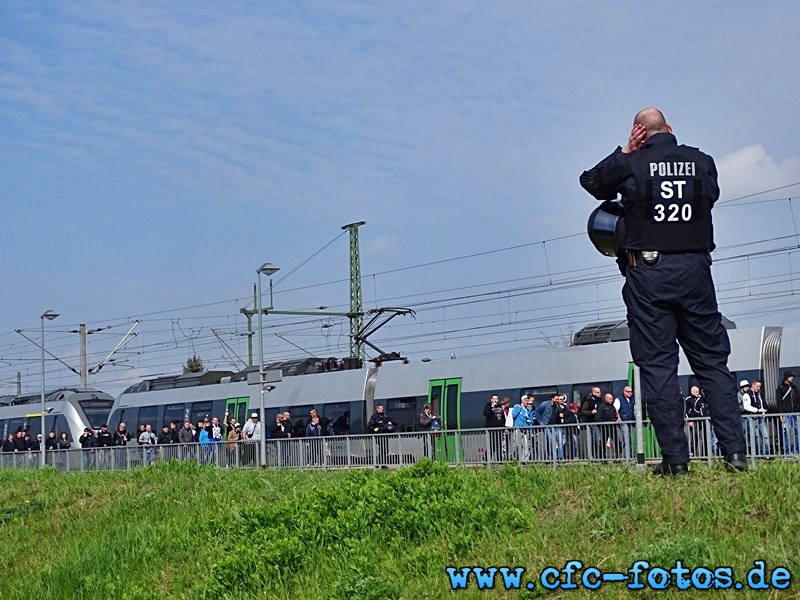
[434, 397]
[32, 425]
[127, 416]
[339, 416]
[113, 420]
[96, 411]
[3, 430]
[402, 412]
[201, 410]
[238, 408]
[540, 394]
[147, 416]
[62, 426]
[174, 413]
[581, 390]
[299, 417]
[15, 425]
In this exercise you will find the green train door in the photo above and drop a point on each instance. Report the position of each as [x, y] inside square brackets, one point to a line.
[651, 447]
[237, 408]
[444, 396]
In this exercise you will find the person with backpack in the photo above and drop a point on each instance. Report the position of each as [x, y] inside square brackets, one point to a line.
[427, 419]
[429, 423]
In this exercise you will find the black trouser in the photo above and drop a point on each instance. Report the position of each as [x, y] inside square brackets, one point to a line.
[675, 300]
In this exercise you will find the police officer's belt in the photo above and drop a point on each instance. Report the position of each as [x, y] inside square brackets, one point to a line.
[648, 257]
[652, 257]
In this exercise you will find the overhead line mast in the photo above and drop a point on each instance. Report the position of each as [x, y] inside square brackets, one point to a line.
[356, 314]
[356, 301]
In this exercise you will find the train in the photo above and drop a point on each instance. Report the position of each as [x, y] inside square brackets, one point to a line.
[457, 388]
[67, 410]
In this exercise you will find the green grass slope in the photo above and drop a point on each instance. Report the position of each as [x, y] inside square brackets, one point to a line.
[184, 531]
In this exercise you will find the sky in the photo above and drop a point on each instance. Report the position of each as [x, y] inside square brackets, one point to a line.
[154, 155]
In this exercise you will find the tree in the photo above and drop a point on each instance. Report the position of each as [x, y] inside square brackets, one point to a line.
[194, 364]
[563, 339]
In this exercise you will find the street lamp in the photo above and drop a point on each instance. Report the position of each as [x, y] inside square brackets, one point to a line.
[49, 315]
[269, 270]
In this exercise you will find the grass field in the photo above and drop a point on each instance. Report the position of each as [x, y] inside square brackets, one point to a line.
[184, 531]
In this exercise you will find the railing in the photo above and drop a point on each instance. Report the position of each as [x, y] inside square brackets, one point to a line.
[766, 436]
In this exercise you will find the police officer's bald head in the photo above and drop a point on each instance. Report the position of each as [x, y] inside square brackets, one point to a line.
[653, 121]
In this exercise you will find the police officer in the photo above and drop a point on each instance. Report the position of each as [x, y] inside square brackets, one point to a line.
[668, 192]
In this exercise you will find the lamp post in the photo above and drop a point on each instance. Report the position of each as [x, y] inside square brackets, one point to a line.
[269, 270]
[49, 315]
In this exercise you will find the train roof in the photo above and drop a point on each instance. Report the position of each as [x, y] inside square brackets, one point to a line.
[49, 396]
[616, 331]
[597, 333]
[289, 368]
[169, 382]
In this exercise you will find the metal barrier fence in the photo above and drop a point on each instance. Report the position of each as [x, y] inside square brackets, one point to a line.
[767, 436]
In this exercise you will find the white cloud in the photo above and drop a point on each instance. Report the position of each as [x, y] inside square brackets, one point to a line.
[751, 169]
[381, 246]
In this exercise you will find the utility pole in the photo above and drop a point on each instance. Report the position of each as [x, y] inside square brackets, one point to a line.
[356, 314]
[84, 373]
[249, 314]
[356, 303]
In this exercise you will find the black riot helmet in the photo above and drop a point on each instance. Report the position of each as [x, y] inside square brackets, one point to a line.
[606, 227]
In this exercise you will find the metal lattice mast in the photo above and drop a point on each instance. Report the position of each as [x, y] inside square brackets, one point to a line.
[356, 304]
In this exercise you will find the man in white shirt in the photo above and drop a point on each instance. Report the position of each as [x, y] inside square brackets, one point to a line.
[251, 434]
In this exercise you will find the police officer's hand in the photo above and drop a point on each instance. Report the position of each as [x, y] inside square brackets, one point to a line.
[636, 139]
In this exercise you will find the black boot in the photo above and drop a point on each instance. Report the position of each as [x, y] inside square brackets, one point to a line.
[678, 469]
[736, 461]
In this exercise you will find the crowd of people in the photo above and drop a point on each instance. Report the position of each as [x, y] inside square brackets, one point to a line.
[600, 427]
[568, 425]
[209, 439]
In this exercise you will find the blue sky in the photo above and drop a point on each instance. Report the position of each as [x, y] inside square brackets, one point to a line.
[153, 155]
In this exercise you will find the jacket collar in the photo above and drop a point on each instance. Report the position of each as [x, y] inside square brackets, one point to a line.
[661, 139]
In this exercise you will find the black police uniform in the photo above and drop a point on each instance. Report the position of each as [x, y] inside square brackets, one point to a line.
[668, 192]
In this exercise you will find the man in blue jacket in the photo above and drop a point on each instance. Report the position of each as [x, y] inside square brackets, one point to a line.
[624, 405]
[522, 414]
[552, 414]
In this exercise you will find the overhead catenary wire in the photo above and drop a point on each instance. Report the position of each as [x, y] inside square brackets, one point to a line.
[426, 301]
